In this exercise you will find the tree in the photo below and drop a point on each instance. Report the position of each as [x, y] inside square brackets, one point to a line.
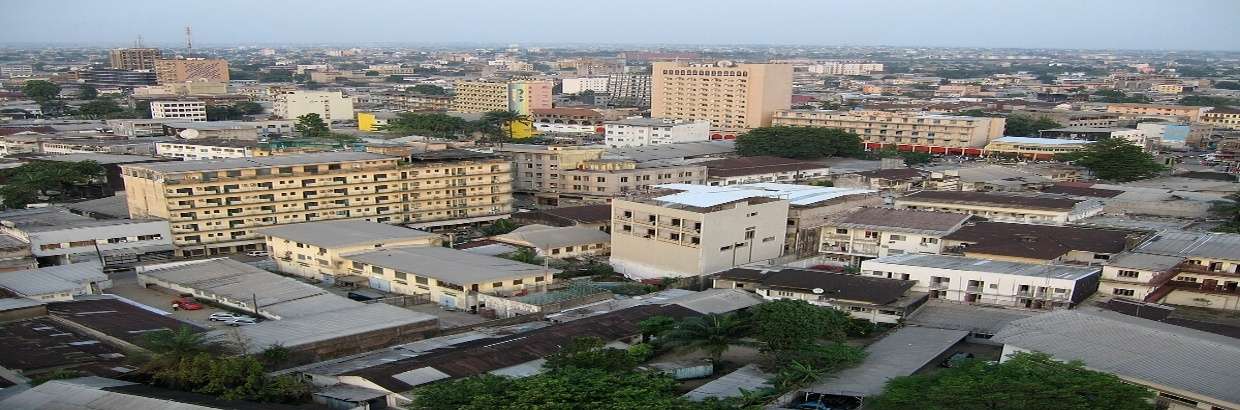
[1208, 101]
[1047, 78]
[1116, 96]
[249, 107]
[87, 92]
[31, 182]
[565, 388]
[1115, 159]
[591, 353]
[427, 124]
[525, 255]
[230, 378]
[1026, 126]
[1229, 210]
[311, 125]
[499, 227]
[909, 157]
[505, 120]
[223, 113]
[100, 109]
[174, 346]
[656, 326]
[40, 90]
[1227, 85]
[788, 325]
[1024, 381]
[428, 89]
[799, 142]
[713, 333]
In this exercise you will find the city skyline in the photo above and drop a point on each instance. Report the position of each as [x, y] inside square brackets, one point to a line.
[1059, 24]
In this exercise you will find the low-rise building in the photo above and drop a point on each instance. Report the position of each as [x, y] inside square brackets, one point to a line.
[897, 180]
[1225, 117]
[56, 283]
[189, 150]
[985, 179]
[555, 173]
[1038, 149]
[1132, 110]
[559, 242]
[1006, 206]
[57, 237]
[313, 249]
[1037, 243]
[449, 277]
[636, 132]
[879, 300]
[1069, 118]
[597, 85]
[1135, 136]
[869, 233]
[179, 110]
[591, 216]
[926, 132]
[988, 282]
[567, 120]
[1208, 275]
[749, 170]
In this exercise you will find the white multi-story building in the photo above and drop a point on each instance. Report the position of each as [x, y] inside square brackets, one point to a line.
[990, 282]
[180, 110]
[189, 150]
[878, 232]
[637, 132]
[839, 68]
[329, 105]
[598, 85]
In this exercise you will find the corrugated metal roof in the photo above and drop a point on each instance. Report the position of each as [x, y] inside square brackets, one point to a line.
[548, 237]
[53, 279]
[259, 162]
[450, 265]
[990, 266]
[333, 234]
[900, 353]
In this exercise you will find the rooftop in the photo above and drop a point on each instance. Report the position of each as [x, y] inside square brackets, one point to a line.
[1039, 241]
[261, 162]
[1086, 191]
[355, 319]
[673, 151]
[959, 263]
[973, 318]
[115, 318]
[334, 234]
[649, 122]
[216, 142]
[898, 174]
[1140, 350]
[1200, 244]
[900, 353]
[1010, 200]
[705, 196]
[103, 159]
[581, 214]
[879, 291]
[903, 220]
[1145, 261]
[235, 280]
[447, 264]
[1088, 129]
[115, 206]
[1039, 141]
[70, 278]
[549, 237]
[734, 167]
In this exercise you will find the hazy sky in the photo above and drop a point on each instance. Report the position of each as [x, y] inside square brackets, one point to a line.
[1131, 24]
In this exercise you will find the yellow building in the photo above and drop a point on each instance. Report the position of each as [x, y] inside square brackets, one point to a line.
[921, 131]
[133, 58]
[449, 277]
[520, 96]
[1222, 117]
[1034, 148]
[313, 249]
[216, 206]
[1188, 112]
[373, 121]
[731, 97]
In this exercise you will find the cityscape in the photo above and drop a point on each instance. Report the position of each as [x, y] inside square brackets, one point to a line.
[923, 204]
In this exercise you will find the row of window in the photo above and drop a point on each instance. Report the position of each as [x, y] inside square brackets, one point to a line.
[92, 243]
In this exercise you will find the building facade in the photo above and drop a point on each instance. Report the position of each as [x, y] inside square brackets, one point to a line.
[1187, 112]
[731, 97]
[597, 85]
[636, 132]
[1004, 207]
[553, 173]
[919, 131]
[869, 233]
[134, 58]
[186, 70]
[179, 110]
[329, 105]
[481, 96]
[986, 282]
[629, 90]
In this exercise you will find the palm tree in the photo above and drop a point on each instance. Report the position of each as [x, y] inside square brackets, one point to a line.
[506, 119]
[172, 346]
[713, 333]
[798, 374]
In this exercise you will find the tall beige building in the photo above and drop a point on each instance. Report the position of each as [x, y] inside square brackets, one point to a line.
[193, 69]
[217, 206]
[520, 96]
[731, 97]
[922, 131]
[329, 105]
[134, 58]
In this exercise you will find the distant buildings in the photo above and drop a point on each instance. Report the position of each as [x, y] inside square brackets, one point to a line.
[521, 96]
[331, 106]
[731, 97]
[636, 132]
[56, 237]
[195, 69]
[934, 133]
[842, 68]
[1043, 149]
[110, 77]
[1068, 118]
[987, 282]
[179, 110]
[1186, 112]
[1006, 207]
[1135, 136]
[597, 85]
[629, 90]
[134, 58]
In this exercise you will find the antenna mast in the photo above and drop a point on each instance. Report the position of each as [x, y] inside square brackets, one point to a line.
[189, 39]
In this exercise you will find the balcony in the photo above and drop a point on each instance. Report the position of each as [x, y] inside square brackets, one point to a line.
[939, 285]
[973, 289]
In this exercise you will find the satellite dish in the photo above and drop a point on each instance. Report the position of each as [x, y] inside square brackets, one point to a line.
[817, 291]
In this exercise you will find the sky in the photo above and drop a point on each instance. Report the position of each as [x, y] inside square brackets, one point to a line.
[1089, 24]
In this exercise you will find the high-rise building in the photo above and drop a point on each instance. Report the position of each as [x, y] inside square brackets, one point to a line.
[134, 58]
[329, 105]
[216, 206]
[730, 96]
[484, 96]
[597, 85]
[111, 77]
[629, 90]
[927, 132]
[194, 69]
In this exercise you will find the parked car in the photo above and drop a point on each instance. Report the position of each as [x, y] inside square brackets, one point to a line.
[257, 253]
[241, 321]
[185, 304]
[955, 359]
[226, 316]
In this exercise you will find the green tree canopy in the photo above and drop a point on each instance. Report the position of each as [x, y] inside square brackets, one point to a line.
[909, 157]
[57, 181]
[87, 92]
[591, 353]
[567, 388]
[713, 333]
[799, 142]
[223, 113]
[1026, 126]
[1115, 159]
[1025, 381]
[311, 125]
[40, 90]
[1229, 210]
[1209, 101]
[789, 325]
[100, 109]
[1227, 85]
[1117, 96]
[503, 120]
[249, 107]
[428, 89]
[427, 124]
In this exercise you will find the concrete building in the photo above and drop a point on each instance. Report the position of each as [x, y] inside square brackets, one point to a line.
[111, 77]
[1030, 243]
[179, 110]
[567, 120]
[910, 131]
[228, 130]
[629, 90]
[843, 68]
[314, 249]
[636, 132]
[878, 300]
[559, 242]
[1135, 136]
[897, 180]
[410, 101]
[133, 58]
[597, 85]
[331, 106]
[1005, 207]
[1069, 118]
[1206, 275]
[1185, 112]
[216, 206]
[1037, 149]
[750, 170]
[56, 283]
[1224, 117]
[868, 233]
[987, 282]
[449, 277]
[193, 69]
[583, 173]
[481, 96]
[696, 231]
[731, 97]
[56, 237]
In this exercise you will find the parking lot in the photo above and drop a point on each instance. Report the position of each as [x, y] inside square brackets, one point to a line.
[125, 284]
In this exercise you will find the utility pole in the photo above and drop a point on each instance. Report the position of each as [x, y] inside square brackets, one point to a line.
[255, 297]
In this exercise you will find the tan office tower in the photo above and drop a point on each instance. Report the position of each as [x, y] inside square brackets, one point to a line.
[134, 58]
[730, 96]
[196, 69]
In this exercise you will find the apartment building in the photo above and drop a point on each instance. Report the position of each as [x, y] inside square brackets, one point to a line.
[1186, 112]
[1004, 207]
[750, 170]
[134, 58]
[597, 85]
[987, 282]
[1206, 275]
[1135, 136]
[409, 101]
[1038, 149]
[879, 300]
[521, 96]
[868, 233]
[581, 173]
[842, 68]
[691, 232]
[567, 120]
[1073, 118]
[331, 106]
[137, 127]
[636, 132]
[558, 242]
[1224, 117]
[54, 236]
[1135, 275]
[316, 250]
[449, 277]
[731, 97]
[216, 206]
[191, 69]
[200, 149]
[918, 131]
[629, 90]
[179, 110]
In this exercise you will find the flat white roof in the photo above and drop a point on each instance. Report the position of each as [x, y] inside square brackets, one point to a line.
[961, 263]
[706, 196]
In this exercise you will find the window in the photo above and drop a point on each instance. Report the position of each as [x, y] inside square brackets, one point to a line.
[929, 241]
[1123, 292]
[420, 280]
[1128, 274]
[517, 282]
[497, 284]
[768, 239]
[377, 270]
[871, 235]
[896, 237]
[402, 275]
[539, 278]
[841, 231]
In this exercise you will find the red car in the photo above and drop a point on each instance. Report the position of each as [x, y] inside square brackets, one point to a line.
[185, 304]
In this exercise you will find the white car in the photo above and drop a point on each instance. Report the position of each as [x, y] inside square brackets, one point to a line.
[257, 253]
[241, 321]
[226, 316]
